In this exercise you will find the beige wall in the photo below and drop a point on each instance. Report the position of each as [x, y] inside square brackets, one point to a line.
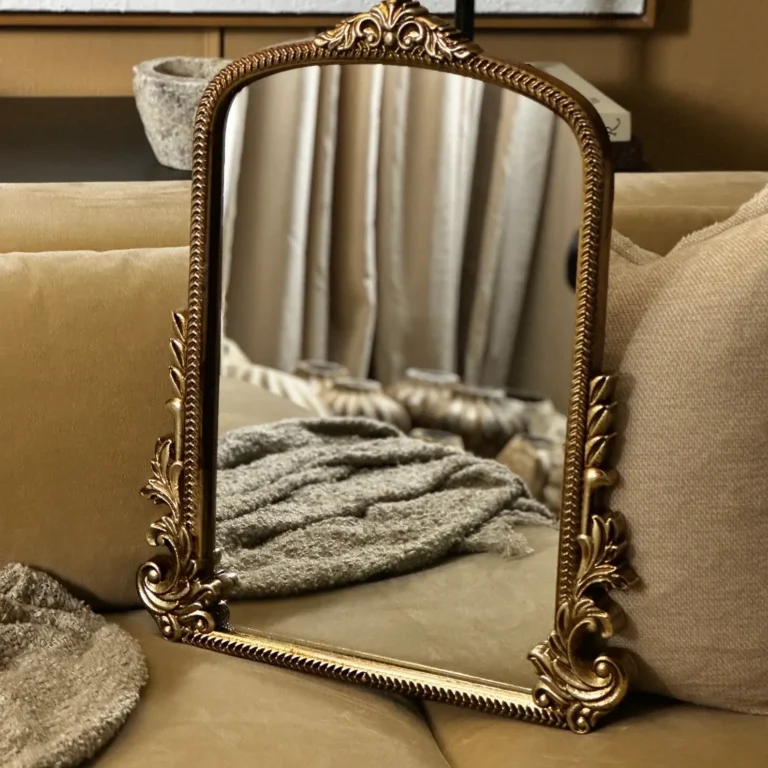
[89, 62]
[694, 84]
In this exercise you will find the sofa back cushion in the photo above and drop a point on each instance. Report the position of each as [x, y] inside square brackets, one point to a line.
[688, 335]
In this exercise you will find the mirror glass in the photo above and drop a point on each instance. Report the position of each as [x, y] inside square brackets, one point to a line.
[397, 316]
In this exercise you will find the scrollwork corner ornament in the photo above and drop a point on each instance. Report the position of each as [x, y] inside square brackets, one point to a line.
[398, 25]
[170, 584]
[577, 677]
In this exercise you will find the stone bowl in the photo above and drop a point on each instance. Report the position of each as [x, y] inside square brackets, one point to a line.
[167, 93]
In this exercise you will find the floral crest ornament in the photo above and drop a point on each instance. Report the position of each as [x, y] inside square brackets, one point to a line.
[399, 25]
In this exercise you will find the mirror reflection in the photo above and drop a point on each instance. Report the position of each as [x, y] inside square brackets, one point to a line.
[397, 328]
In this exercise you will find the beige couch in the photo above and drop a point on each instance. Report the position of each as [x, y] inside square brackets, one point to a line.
[199, 707]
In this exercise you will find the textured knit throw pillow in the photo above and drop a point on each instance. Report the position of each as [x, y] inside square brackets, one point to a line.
[68, 678]
[688, 335]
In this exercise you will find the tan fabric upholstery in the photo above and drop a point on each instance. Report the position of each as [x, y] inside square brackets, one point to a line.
[84, 381]
[654, 210]
[209, 709]
[93, 216]
[689, 335]
[204, 708]
[648, 733]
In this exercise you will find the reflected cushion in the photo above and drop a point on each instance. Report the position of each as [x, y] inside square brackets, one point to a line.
[688, 334]
[242, 404]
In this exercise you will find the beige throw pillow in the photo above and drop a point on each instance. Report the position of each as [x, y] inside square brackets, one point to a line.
[83, 384]
[688, 334]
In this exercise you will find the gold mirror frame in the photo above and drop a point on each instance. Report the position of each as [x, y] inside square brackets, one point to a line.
[579, 680]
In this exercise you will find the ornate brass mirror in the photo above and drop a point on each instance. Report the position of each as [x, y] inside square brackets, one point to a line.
[387, 200]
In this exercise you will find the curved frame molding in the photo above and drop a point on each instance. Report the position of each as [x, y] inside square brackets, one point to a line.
[579, 680]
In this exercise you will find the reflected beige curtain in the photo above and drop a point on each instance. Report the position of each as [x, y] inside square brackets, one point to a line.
[386, 217]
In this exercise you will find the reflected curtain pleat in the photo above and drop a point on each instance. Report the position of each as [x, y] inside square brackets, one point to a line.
[440, 138]
[391, 218]
[513, 166]
[318, 288]
[531, 152]
[461, 116]
[390, 351]
[427, 153]
[269, 254]
[234, 137]
[542, 353]
[353, 279]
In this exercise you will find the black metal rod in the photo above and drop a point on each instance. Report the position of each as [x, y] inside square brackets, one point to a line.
[465, 18]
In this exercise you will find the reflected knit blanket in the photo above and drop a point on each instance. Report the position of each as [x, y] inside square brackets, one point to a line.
[68, 678]
[311, 504]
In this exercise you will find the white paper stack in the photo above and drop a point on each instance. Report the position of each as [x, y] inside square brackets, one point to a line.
[617, 120]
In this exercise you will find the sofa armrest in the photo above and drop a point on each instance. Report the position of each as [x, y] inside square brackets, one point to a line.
[656, 210]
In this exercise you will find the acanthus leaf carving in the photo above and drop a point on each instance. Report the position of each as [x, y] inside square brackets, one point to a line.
[587, 688]
[170, 585]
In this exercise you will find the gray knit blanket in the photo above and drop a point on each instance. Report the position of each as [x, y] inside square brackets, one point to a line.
[311, 504]
[68, 678]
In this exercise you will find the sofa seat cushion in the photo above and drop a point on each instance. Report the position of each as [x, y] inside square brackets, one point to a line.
[205, 708]
[647, 732]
